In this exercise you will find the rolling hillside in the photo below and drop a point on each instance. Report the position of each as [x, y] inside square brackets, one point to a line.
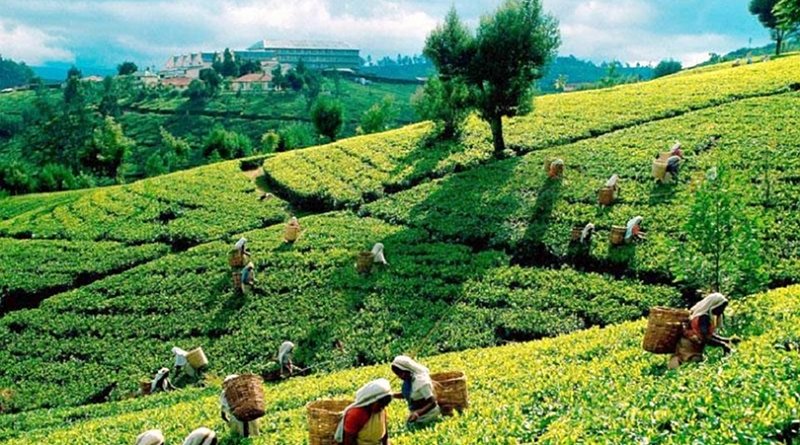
[479, 257]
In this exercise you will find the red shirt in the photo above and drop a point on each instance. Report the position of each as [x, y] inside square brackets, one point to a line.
[355, 419]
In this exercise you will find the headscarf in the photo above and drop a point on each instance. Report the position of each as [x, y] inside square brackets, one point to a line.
[367, 395]
[377, 253]
[200, 436]
[586, 232]
[284, 351]
[612, 181]
[633, 222]
[707, 305]
[676, 149]
[294, 221]
[240, 244]
[420, 375]
[180, 356]
[157, 380]
[151, 437]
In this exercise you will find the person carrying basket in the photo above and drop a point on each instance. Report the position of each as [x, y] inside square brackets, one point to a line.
[704, 320]
[417, 390]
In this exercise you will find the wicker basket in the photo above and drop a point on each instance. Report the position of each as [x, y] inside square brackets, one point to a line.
[605, 196]
[237, 280]
[575, 235]
[659, 169]
[245, 396]
[236, 258]
[323, 419]
[144, 387]
[291, 233]
[197, 358]
[547, 165]
[451, 391]
[664, 329]
[365, 261]
[617, 236]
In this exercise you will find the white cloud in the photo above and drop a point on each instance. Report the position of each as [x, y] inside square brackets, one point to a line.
[32, 45]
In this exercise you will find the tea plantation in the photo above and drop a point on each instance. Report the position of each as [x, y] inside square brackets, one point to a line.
[99, 284]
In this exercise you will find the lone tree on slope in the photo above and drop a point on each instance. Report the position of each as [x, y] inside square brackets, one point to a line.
[764, 10]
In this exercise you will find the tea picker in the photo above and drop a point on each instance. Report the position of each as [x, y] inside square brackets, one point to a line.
[417, 390]
[285, 356]
[364, 422]
[242, 403]
[633, 229]
[189, 363]
[248, 277]
[705, 318]
[161, 382]
[292, 231]
[150, 437]
[201, 436]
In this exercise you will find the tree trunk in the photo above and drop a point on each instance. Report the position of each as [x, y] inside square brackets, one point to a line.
[778, 42]
[496, 123]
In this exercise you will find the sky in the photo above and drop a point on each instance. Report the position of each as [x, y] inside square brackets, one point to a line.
[105, 32]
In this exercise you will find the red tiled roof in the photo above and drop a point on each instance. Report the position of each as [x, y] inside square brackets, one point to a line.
[177, 81]
[255, 77]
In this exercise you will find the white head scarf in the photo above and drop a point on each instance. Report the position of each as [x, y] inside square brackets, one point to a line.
[157, 380]
[151, 437]
[675, 147]
[367, 395]
[180, 356]
[200, 436]
[633, 222]
[612, 181]
[284, 352]
[420, 375]
[294, 221]
[240, 244]
[377, 252]
[708, 304]
[587, 230]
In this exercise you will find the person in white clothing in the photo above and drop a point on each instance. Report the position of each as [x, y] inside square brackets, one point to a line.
[182, 364]
[377, 253]
[285, 356]
[417, 390]
[201, 436]
[151, 437]
[244, 429]
[161, 382]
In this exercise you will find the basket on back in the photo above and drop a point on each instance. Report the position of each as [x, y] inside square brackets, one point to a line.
[237, 258]
[144, 387]
[617, 236]
[606, 196]
[664, 329]
[237, 279]
[365, 261]
[323, 419]
[291, 233]
[451, 391]
[245, 396]
[197, 358]
[659, 169]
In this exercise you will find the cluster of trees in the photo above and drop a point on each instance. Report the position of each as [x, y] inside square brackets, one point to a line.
[492, 70]
[13, 74]
[666, 67]
[781, 17]
[67, 144]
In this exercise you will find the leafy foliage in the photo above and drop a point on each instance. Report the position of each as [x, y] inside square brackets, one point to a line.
[326, 114]
[593, 386]
[667, 67]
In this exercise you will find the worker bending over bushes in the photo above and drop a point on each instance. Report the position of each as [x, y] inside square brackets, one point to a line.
[201, 436]
[244, 429]
[704, 320]
[633, 229]
[285, 356]
[161, 382]
[151, 437]
[364, 421]
[417, 390]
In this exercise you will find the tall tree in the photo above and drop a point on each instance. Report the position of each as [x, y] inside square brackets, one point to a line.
[229, 66]
[512, 47]
[109, 103]
[445, 99]
[126, 68]
[666, 67]
[328, 118]
[721, 249]
[764, 10]
[788, 14]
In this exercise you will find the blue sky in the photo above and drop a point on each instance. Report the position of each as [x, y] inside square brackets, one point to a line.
[105, 32]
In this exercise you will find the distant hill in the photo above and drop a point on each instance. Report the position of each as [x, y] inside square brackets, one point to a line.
[58, 71]
[575, 70]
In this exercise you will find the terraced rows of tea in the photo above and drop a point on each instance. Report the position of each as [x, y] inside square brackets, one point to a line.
[101, 283]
